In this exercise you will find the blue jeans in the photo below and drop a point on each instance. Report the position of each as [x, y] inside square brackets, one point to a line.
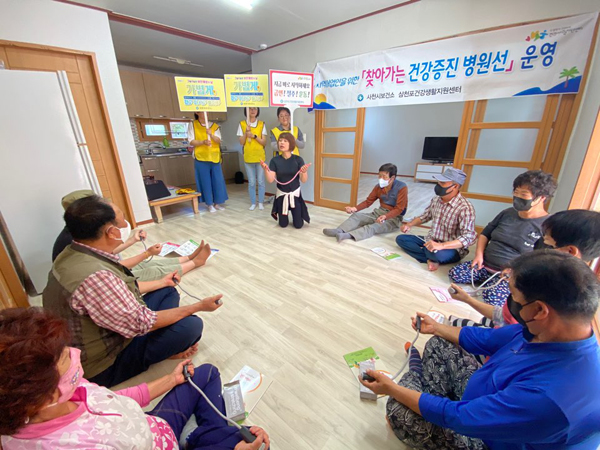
[155, 346]
[415, 247]
[210, 182]
[256, 174]
[184, 401]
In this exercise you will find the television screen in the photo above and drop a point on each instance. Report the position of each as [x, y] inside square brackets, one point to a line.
[439, 148]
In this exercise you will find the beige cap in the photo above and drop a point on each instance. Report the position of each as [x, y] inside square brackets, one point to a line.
[75, 195]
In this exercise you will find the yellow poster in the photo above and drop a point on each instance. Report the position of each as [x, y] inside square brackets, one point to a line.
[247, 90]
[200, 94]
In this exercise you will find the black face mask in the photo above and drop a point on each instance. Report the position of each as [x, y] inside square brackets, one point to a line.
[441, 191]
[515, 309]
[520, 204]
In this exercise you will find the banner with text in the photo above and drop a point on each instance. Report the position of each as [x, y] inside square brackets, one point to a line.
[247, 90]
[292, 89]
[201, 94]
[538, 59]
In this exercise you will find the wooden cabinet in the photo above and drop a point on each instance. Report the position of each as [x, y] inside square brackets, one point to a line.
[135, 94]
[188, 115]
[151, 167]
[217, 116]
[230, 165]
[178, 170]
[158, 95]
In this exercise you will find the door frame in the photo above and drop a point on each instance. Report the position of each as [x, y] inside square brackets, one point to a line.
[128, 211]
[320, 130]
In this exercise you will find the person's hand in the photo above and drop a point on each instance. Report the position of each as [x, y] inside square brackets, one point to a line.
[305, 167]
[249, 134]
[264, 165]
[206, 142]
[154, 249]
[169, 280]
[350, 209]
[460, 295]
[433, 246]
[177, 373]
[477, 262]
[381, 219]
[381, 386]
[209, 304]
[428, 325]
[261, 438]
[138, 235]
[405, 228]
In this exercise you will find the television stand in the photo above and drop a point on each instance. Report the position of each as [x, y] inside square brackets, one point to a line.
[424, 171]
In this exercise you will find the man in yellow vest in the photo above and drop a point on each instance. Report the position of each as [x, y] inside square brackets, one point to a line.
[253, 137]
[284, 116]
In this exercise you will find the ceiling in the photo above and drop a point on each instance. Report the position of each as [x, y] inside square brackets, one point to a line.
[268, 22]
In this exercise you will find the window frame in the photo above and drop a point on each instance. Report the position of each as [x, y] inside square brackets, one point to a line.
[143, 137]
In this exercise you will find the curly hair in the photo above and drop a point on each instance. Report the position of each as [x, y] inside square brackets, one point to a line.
[290, 138]
[540, 183]
[31, 343]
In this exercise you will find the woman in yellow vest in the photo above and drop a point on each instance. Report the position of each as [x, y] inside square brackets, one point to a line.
[253, 137]
[284, 116]
[205, 145]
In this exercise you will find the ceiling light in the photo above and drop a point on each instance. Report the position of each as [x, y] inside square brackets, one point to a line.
[244, 3]
[263, 46]
[177, 60]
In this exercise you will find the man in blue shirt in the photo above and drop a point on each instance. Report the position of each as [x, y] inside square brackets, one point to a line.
[540, 388]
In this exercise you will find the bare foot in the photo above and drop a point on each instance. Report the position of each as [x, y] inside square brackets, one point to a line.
[432, 265]
[196, 252]
[187, 353]
[200, 260]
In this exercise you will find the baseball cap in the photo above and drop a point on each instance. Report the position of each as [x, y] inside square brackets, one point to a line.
[452, 174]
[75, 195]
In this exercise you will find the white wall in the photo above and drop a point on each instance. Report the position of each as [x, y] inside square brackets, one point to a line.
[433, 19]
[61, 25]
[395, 133]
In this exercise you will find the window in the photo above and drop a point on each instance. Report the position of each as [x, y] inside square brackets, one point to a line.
[178, 130]
[157, 129]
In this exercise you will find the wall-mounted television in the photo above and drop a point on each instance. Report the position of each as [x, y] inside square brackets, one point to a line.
[439, 149]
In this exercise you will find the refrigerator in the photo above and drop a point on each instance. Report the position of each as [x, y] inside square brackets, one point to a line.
[43, 157]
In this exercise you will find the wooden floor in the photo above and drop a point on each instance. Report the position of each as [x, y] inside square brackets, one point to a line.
[295, 301]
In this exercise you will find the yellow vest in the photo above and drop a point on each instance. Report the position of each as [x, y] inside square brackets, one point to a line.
[212, 152]
[253, 151]
[276, 132]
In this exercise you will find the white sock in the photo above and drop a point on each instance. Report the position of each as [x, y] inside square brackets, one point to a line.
[252, 207]
[261, 206]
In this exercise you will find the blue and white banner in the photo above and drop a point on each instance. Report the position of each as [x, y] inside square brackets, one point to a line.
[538, 59]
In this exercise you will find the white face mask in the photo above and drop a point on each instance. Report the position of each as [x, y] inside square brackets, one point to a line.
[125, 232]
[383, 183]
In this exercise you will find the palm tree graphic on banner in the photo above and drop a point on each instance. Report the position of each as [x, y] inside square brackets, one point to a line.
[568, 73]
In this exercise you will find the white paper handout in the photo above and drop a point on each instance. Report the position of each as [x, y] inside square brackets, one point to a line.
[254, 384]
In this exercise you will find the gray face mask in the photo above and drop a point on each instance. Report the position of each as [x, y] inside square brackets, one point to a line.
[520, 204]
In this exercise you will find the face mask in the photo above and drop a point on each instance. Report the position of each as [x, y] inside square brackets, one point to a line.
[70, 380]
[441, 191]
[520, 204]
[125, 232]
[515, 309]
[383, 183]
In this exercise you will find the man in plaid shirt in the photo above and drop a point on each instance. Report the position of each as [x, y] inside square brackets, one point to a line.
[453, 227]
[120, 332]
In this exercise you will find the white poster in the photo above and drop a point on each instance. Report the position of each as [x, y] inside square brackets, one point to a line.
[292, 89]
[538, 59]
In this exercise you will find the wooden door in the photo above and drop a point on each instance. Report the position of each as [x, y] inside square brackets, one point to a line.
[502, 138]
[88, 96]
[158, 95]
[135, 94]
[338, 151]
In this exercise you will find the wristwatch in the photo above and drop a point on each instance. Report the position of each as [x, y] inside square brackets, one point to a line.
[254, 136]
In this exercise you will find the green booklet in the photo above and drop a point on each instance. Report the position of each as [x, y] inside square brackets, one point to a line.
[385, 254]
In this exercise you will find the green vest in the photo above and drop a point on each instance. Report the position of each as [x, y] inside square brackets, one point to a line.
[99, 346]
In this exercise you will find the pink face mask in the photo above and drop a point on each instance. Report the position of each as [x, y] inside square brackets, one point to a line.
[71, 379]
